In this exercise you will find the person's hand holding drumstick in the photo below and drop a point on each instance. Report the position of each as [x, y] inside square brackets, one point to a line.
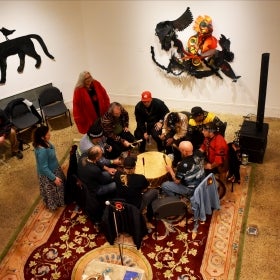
[170, 170]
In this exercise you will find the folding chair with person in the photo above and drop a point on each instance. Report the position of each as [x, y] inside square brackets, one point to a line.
[23, 115]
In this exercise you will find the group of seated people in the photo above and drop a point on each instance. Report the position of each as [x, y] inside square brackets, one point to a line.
[153, 120]
[203, 129]
[113, 184]
[194, 138]
[101, 151]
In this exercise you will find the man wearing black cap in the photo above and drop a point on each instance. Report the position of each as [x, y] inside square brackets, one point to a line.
[198, 118]
[149, 114]
[133, 188]
[95, 137]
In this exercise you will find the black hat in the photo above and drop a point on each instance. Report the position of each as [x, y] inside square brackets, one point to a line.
[95, 131]
[210, 127]
[129, 162]
[172, 119]
[196, 111]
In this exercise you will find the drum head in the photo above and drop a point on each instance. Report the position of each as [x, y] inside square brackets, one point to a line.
[152, 164]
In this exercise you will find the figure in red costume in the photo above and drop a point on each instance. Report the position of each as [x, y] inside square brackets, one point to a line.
[90, 101]
[202, 44]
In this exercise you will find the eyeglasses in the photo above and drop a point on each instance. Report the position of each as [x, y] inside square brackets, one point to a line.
[88, 78]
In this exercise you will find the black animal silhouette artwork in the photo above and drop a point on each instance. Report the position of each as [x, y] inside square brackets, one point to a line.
[21, 46]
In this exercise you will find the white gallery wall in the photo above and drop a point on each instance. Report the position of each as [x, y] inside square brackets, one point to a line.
[112, 39]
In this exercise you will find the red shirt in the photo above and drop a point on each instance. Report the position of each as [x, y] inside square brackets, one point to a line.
[216, 149]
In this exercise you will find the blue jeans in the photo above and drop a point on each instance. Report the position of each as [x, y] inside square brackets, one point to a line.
[148, 197]
[170, 188]
[106, 189]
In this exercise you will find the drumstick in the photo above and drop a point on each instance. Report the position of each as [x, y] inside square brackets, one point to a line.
[164, 157]
[135, 142]
[143, 160]
[175, 146]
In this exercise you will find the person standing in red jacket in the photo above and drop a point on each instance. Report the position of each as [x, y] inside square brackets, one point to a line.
[90, 101]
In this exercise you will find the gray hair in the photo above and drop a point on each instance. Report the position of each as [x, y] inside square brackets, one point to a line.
[114, 105]
[93, 152]
[81, 79]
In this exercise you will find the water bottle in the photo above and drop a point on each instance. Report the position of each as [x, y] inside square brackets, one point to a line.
[244, 159]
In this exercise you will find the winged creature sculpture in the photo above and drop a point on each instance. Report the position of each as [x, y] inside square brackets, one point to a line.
[200, 58]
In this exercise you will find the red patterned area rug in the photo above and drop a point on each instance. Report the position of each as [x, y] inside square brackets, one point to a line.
[173, 254]
[61, 245]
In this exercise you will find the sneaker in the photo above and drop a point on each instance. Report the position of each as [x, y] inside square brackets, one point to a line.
[18, 154]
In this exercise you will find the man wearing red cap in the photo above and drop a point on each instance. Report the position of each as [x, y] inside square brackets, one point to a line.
[149, 114]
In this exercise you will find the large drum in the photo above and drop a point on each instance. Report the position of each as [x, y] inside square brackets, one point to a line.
[153, 166]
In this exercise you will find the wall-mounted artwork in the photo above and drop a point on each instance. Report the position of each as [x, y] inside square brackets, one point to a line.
[201, 57]
[21, 46]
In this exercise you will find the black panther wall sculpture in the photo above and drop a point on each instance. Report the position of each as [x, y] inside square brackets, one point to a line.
[200, 58]
[21, 46]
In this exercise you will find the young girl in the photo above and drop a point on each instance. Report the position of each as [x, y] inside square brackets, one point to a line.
[51, 177]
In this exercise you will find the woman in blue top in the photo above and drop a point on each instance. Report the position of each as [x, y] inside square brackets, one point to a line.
[51, 176]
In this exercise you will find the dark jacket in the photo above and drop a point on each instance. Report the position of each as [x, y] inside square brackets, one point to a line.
[129, 220]
[151, 115]
[132, 192]
[190, 172]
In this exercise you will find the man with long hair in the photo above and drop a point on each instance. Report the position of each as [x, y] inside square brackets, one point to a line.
[115, 124]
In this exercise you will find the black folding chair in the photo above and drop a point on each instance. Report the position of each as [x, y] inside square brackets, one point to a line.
[52, 104]
[23, 115]
[169, 206]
